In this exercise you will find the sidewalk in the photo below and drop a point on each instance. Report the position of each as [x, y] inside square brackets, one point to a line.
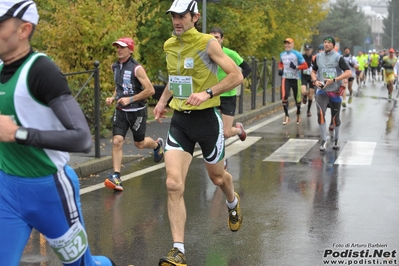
[86, 164]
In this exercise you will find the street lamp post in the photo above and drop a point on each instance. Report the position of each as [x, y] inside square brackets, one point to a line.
[204, 12]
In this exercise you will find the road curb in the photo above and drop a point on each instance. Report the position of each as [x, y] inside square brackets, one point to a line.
[97, 165]
[257, 113]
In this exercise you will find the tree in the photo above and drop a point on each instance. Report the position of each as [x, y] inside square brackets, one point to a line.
[346, 23]
[154, 27]
[391, 20]
[75, 33]
[260, 33]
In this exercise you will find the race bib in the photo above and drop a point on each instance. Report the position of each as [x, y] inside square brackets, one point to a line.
[70, 246]
[290, 75]
[329, 73]
[181, 86]
[306, 72]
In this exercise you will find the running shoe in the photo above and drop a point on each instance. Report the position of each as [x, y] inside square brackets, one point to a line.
[174, 258]
[305, 99]
[114, 182]
[350, 99]
[158, 152]
[343, 104]
[298, 119]
[389, 96]
[323, 145]
[235, 216]
[287, 119]
[309, 113]
[243, 134]
[336, 144]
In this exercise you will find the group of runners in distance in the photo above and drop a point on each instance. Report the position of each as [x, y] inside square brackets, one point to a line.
[329, 75]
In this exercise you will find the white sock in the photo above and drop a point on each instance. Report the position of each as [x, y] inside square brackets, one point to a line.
[233, 204]
[179, 246]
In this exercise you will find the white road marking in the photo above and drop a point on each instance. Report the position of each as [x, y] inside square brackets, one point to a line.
[124, 178]
[357, 153]
[292, 151]
[229, 152]
[237, 146]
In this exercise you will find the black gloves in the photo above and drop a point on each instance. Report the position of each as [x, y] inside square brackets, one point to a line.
[280, 72]
[351, 64]
[292, 65]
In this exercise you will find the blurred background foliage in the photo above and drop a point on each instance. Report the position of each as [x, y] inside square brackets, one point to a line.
[75, 33]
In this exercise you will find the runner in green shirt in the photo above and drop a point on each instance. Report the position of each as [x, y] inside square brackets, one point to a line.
[228, 99]
[360, 70]
[374, 62]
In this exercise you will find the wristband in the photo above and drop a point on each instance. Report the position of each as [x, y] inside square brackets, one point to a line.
[131, 99]
[334, 79]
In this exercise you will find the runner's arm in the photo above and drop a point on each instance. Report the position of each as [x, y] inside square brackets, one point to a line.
[396, 68]
[75, 137]
[234, 76]
[302, 66]
[49, 86]
[245, 69]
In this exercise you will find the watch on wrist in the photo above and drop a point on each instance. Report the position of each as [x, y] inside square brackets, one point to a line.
[21, 135]
[210, 92]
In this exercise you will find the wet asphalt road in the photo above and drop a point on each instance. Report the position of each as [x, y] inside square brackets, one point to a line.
[301, 207]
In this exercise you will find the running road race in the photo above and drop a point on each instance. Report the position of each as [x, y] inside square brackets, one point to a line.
[360, 257]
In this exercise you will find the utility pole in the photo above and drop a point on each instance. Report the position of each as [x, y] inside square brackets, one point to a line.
[204, 12]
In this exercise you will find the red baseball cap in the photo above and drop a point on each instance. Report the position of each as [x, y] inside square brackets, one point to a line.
[391, 50]
[125, 42]
[289, 40]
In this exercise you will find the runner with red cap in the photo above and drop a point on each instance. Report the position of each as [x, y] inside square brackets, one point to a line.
[132, 89]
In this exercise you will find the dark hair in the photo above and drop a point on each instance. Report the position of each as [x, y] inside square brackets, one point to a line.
[330, 39]
[196, 25]
[217, 30]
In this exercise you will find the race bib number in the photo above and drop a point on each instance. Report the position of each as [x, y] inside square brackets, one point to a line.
[329, 73]
[70, 246]
[290, 75]
[181, 86]
[306, 72]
